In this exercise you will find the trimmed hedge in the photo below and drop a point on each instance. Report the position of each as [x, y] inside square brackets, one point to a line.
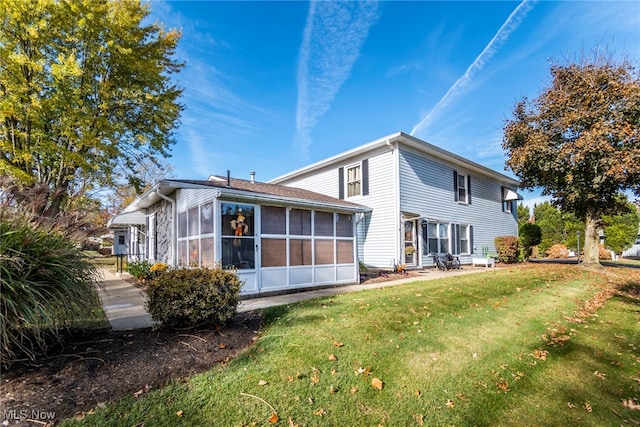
[193, 297]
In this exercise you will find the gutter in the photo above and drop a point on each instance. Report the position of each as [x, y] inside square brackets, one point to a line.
[174, 231]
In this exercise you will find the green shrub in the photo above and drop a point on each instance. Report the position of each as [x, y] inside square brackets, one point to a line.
[193, 297]
[530, 235]
[47, 285]
[507, 247]
[141, 270]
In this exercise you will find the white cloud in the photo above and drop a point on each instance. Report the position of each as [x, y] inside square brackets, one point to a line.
[500, 38]
[333, 38]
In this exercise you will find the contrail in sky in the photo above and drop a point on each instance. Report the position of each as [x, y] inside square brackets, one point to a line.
[509, 26]
[333, 38]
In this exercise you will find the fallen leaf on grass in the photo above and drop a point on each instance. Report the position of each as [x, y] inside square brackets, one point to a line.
[262, 382]
[290, 378]
[571, 405]
[354, 390]
[273, 418]
[420, 419]
[333, 357]
[540, 354]
[291, 423]
[450, 403]
[600, 375]
[315, 379]
[503, 385]
[631, 404]
[320, 412]
[338, 344]
[142, 391]
[588, 408]
[377, 383]
[179, 413]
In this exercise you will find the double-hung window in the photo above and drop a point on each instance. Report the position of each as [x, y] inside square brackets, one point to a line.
[354, 181]
[437, 238]
[462, 187]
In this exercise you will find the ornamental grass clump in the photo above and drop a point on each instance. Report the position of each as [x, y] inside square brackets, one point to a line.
[47, 286]
[186, 298]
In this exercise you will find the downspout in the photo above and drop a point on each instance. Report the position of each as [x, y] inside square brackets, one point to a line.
[355, 246]
[174, 229]
[396, 185]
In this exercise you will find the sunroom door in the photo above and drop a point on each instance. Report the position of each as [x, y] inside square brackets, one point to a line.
[239, 249]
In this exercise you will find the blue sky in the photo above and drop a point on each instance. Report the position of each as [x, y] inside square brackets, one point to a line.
[273, 86]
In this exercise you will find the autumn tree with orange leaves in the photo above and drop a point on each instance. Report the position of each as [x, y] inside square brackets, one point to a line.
[579, 140]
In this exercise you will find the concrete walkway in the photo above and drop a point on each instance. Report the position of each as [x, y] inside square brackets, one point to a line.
[124, 304]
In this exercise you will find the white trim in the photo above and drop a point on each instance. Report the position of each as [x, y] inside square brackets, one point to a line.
[358, 166]
[401, 137]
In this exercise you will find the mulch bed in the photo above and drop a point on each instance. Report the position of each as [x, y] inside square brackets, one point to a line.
[90, 371]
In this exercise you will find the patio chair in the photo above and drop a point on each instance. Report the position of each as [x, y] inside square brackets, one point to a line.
[446, 261]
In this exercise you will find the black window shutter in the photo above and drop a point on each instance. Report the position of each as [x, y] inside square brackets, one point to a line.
[471, 248]
[340, 183]
[514, 208]
[365, 177]
[455, 185]
[469, 189]
[456, 239]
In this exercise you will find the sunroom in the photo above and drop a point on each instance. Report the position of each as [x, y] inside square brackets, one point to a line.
[276, 238]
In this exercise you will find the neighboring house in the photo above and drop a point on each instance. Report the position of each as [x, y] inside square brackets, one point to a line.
[423, 200]
[128, 235]
[278, 238]
[634, 250]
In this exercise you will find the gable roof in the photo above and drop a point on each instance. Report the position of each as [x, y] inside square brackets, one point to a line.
[410, 141]
[250, 191]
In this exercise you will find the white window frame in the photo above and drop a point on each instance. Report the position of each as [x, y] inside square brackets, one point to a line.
[467, 239]
[462, 178]
[350, 184]
[438, 237]
[151, 237]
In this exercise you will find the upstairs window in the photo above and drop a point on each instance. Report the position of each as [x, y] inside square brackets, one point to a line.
[462, 187]
[354, 181]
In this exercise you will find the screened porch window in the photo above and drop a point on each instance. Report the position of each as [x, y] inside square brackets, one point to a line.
[195, 236]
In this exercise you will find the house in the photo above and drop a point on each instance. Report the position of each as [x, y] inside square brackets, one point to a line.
[422, 199]
[278, 238]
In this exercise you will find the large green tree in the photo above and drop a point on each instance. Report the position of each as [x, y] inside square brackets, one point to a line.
[85, 90]
[579, 140]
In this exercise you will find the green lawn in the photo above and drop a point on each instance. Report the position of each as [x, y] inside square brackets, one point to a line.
[517, 346]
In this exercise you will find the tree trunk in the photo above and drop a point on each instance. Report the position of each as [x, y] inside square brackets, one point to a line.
[591, 242]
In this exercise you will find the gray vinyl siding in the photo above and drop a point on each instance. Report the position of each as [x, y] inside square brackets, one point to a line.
[377, 233]
[426, 189]
[381, 236]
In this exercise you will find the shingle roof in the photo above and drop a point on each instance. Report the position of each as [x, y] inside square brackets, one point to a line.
[271, 190]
